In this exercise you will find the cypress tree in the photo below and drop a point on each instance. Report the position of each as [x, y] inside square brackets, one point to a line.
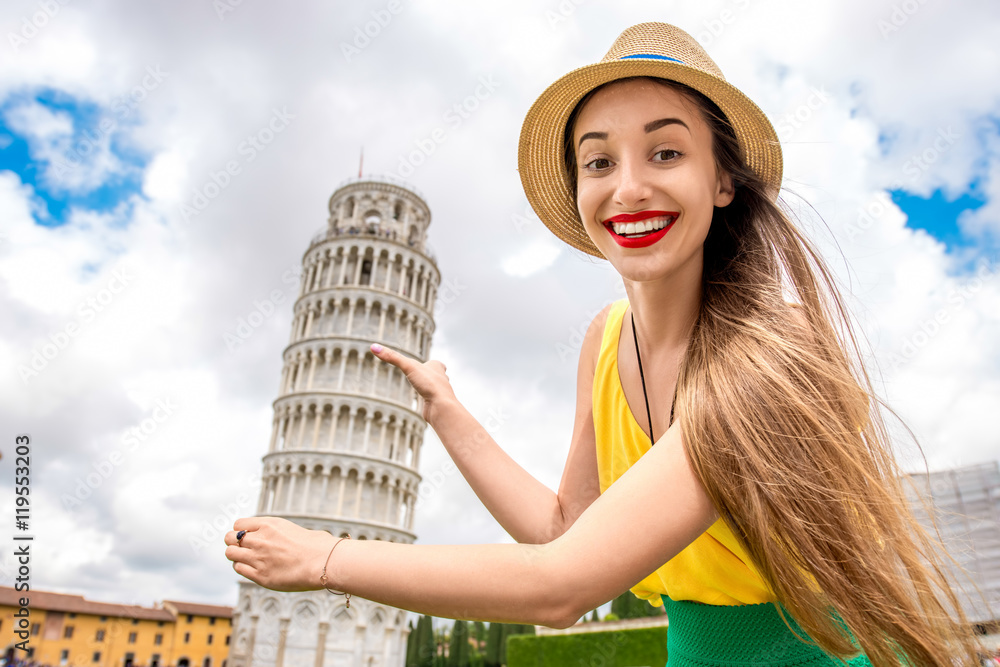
[502, 653]
[493, 638]
[411, 646]
[458, 653]
[426, 647]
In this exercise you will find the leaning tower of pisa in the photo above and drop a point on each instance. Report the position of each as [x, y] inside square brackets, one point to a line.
[347, 431]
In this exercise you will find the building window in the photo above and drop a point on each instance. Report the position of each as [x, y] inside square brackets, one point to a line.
[99, 637]
[158, 640]
[131, 637]
[210, 639]
[97, 656]
[208, 662]
[63, 656]
[72, 614]
[31, 651]
[187, 637]
[135, 621]
[35, 628]
[227, 640]
[190, 618]
[211, 621]
[155, 660]
[68, 632]
[129, 659]
[103, 619]
[159, 624]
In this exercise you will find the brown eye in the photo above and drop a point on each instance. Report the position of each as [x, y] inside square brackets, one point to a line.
[598, 163]
[667, 154]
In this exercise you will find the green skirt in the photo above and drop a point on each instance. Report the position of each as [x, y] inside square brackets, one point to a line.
[754, 634]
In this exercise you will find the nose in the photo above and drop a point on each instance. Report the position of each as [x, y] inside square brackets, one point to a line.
[633, 188]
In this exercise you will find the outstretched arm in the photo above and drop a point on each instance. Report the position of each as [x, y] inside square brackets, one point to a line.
[643, 520]
[527, 509]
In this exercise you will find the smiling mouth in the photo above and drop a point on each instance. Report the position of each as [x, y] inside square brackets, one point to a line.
[638, 229]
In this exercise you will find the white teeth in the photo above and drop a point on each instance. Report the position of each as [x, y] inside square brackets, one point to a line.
[652, 224]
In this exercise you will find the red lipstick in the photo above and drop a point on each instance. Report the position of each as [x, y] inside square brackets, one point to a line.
[644, 240]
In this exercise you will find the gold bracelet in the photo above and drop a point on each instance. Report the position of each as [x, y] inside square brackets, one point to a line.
[323, 577]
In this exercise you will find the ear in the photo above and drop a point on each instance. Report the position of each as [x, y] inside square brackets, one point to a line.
[725, 190]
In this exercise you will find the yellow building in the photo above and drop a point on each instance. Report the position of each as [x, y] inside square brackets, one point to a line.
[55, 629]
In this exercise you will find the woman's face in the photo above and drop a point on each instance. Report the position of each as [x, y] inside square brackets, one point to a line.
[647, 182]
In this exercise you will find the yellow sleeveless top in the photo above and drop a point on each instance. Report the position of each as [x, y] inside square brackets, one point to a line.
[713, 569]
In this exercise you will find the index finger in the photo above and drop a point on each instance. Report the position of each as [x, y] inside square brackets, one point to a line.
[249, 524]
[398, 360]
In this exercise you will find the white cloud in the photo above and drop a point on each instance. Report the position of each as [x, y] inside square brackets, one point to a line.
[536, 256]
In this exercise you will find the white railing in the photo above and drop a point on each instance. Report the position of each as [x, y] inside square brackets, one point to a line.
[383, 178]
[326, 234]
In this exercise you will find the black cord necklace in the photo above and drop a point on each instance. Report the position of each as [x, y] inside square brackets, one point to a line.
[638, 357]
[642, 377]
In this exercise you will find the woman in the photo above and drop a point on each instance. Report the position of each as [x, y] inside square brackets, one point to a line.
[768, 517]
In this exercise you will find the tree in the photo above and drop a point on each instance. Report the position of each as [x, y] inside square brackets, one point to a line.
[426, 647]
[458, 649]
[411, 646]
[594, 617]
[493, 638]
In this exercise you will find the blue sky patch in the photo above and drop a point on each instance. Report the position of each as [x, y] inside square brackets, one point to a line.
[938, 215]
[72, 152]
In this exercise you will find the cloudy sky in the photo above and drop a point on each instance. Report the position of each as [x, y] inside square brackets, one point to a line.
[122, 269]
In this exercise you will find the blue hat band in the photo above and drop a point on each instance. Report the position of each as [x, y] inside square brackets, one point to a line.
[652, 55]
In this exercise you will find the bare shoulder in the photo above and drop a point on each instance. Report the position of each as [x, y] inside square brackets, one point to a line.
[591, 346]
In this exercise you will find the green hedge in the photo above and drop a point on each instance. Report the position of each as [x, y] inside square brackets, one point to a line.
[643, 647]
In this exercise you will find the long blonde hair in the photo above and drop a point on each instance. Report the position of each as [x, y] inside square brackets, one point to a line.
[786, 434]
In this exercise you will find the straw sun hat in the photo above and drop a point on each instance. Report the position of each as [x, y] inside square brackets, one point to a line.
[647, 49]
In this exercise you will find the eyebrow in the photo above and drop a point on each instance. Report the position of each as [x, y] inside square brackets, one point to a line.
[651, 126]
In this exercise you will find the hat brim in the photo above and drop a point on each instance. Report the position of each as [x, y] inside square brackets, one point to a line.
[540, 149]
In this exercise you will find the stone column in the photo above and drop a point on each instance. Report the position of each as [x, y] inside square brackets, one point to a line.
[282, 636]
[324, 627]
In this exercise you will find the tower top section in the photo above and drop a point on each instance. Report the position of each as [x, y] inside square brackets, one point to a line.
[383, 206]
